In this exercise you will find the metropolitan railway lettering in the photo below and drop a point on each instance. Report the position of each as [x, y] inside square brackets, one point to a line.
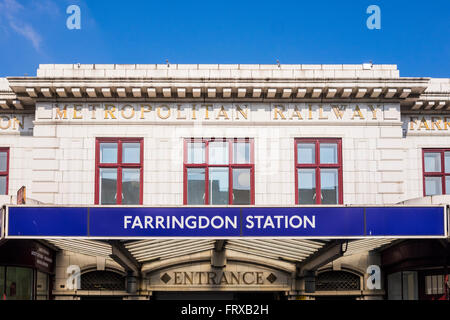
[215, 111]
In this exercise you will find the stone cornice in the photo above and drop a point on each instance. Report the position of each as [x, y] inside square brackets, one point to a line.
[228, 83]
[256, 89]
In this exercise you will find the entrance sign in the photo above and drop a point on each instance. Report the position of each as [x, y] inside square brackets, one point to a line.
[123, 222]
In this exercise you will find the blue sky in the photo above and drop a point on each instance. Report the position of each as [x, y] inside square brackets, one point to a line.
[414, 34]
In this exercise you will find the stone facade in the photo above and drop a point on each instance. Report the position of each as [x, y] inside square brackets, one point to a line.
[50, 124]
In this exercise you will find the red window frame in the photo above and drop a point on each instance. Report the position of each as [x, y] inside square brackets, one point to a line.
[440, 174]
[6, 173]
[119, 165]
[230, 166]
[317, 166]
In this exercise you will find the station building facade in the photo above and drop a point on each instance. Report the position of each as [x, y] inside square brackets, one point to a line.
[224, 135]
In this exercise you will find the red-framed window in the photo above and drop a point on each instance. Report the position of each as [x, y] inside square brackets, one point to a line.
[119, 171]
[4, 171]
[436, 171]
[318, 171]
[219, 171]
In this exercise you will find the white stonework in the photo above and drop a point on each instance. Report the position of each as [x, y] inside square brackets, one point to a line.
[384, 122]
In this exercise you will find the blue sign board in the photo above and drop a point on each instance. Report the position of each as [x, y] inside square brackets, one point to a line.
[47, 221]
[224, 222]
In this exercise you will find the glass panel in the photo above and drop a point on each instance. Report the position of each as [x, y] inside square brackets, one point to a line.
[306, 186]
[241, 152]
[218, 185]
[329, 186]
[432, 162]
[410, 290]
[108, 152]
[3, 185]
[108, 186]
[447, 162]
[433, 186]
[218, 152]
[395, 286]
[447, 185]
[3, 161]
[196, 152]
[19, 283]
[434, 284]
[241, 186]
[41, 286]
[131, 152]
[428, 286]
[306, 153]
[2, 282]
[131, 190]
[196, 186]
[328, 153]
[440, 284]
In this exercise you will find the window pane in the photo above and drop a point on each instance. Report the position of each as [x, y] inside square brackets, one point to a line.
[434, 285]
[306, 153]
[3, 161]
[131, 152]
[433, 186]
[447, 185]
[432, 162]
[329, 186]
[447, 162]
[196, 152]
[428, 286]
[2, 281]
[218, 152]
[108, 186]
[41, 286]
[131, 186]
[218, 185]
[241, 152]
[395, 286]
[306, 186]
[19, 283]
[3, 185]
[108, 152]
[196, 186]
[440, 283]
[241, 186]
[328, 153]
[410, 290]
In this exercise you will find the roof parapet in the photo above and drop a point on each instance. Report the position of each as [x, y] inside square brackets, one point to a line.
[306, 71]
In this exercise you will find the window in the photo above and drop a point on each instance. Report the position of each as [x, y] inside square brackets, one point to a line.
[403, 286]
[435, 284]
[4, 169]
[16, 283]
[119, 171]
[337, 281]
[42, 286]
[218, 171]
[102, 280]
[318, 171]
[436, 171]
